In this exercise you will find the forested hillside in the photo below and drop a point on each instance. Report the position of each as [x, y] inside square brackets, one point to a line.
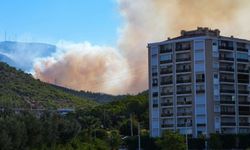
[21, 90]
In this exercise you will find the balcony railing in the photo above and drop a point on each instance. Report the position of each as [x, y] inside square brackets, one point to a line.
[244, 124]
[183, 70]
[183, 59]
[167, 82]
[183, 48]
[244, 112]
[166, 50]
[184, 124]
[226, 80]
[184, 92]
[184, 103]
[200, 90]
[166, 93]
[243, 70]
[184, 113]
[242, 60]
[166, 104]
[166, 71]
[228, 123]
[183, 80]
[227, 69]
[227, 102]
[167, 125]
[226, 47]
[200, 80]
[243, 81]
[227, 113]
[244, 102]
[226, 58]
[227, 90]
[243, 49]
[166, 114]
[243, 91]
[165, 61]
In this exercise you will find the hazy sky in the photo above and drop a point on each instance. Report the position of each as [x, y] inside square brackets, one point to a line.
[53, 20]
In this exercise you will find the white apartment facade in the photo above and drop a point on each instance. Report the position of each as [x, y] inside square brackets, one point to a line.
[199, 84]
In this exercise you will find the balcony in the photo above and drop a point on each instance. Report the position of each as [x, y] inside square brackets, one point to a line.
[184, 113]
[165, 61]
[243, 81]
[183, 80]
[183, 59]
[226, 58]
[166, 104]
[199, 80]
[166, 93]
[228, 123]
[242, 60]
[226, 79]
[165, 48]
[243, 91]
[166, 71]
[227, 68]
[242, 49]
[200, 90]
[184, 124]
[227, 90]
[183, 70]
[183, 46]
[226, 47]
[167, 125]
[167, 82]
[184, 103]
[244, 102]
[243, 70]
[184, 92]
[247, 124]
[227, 113]
[227, 102]
[166, 114]
[244, 112]
[224, 44]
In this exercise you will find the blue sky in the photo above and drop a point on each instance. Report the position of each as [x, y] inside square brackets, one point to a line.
[49, 21]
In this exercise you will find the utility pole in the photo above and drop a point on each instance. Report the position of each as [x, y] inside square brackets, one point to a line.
[131, 125]
[139, 137]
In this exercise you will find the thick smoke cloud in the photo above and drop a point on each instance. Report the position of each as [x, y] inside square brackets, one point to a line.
[125, 70]
[84, 66]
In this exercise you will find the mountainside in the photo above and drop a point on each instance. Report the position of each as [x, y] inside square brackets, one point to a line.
[21, 90]
[97, 97]
[12, 51]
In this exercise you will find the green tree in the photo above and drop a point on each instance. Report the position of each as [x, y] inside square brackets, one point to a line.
[114, 140]
[171, 140]
[215, 142]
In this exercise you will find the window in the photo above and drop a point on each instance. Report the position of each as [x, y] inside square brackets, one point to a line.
[155, 82]
[242, 56]
[165, 58]
[215, 76]
[200, 77]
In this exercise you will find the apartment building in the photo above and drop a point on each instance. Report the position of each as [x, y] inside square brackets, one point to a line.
[199, 84]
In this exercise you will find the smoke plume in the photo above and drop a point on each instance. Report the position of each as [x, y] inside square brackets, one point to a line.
[124, 70]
